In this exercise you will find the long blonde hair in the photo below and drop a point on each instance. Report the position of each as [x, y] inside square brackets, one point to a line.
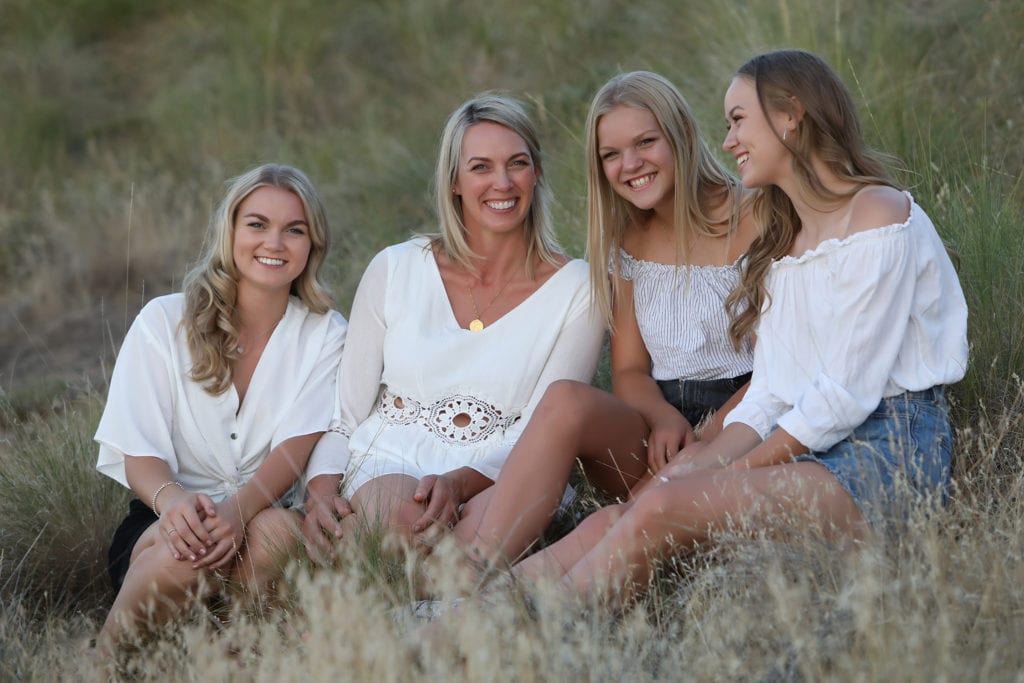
[701, 183]
[828, 130]
[508, 112]
[211, 286]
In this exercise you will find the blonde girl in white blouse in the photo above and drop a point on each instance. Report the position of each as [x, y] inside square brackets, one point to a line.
[453, 340]
[216, 400]
[861, 322]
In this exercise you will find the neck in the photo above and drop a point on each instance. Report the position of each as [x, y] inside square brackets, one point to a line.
[816, 214]
[499, 256]
[259, 310]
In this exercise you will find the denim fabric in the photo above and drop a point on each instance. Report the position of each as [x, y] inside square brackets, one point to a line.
[695, 399]
[898, 459]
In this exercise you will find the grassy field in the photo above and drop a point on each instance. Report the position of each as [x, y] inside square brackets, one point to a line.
[120, 120]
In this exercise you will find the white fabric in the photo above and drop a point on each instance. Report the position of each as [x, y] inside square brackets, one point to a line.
[683, 320]
[213, 447]
[850, 323]
[405, 339]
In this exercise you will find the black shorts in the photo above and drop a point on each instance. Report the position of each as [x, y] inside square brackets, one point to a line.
[140, 517]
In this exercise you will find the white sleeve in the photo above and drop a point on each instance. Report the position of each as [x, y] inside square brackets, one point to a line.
[359, 373]
[760, 408]
[137, 417]
[871, 295]
[313, 407]
[574, 356]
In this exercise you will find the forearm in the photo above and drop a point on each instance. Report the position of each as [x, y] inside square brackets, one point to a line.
[275, 476]
[640, 392]
[146, 475]
[780, 447]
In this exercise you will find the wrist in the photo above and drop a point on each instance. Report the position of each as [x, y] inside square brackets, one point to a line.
[160, 490]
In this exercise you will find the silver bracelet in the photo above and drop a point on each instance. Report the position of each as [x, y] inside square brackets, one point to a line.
[161, 488]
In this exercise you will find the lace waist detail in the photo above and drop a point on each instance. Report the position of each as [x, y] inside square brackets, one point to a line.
[458, 419]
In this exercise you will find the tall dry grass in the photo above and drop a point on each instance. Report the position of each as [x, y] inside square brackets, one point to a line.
[121, 119]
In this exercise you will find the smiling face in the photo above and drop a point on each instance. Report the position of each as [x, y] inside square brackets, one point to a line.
[636, 158]
[495, 179]
[761, 157]
[271, 239]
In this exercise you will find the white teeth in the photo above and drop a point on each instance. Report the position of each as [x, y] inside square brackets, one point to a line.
[742, 159]
[502, 206]
[637, 183]
[270, 261]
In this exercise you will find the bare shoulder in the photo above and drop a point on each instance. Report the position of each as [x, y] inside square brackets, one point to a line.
[876, 206]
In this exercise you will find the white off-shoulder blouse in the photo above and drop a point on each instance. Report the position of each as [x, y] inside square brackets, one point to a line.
[212, 444]
[851, 322]
[683, 320]
[415, 386]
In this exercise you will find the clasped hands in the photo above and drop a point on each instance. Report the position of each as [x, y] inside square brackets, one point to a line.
[202, 532]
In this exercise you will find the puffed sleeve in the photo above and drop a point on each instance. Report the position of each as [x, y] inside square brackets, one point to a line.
[137, 417]
[359, 372]
[574, 356]
[871, 297]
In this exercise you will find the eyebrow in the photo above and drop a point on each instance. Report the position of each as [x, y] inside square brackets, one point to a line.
[514, 156]
[738, 106]
[253, 214]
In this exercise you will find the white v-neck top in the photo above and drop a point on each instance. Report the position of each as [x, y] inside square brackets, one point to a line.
[851, 322]
[212, 445]
[409, 370]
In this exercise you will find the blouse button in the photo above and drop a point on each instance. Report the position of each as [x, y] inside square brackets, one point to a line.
[234, 435]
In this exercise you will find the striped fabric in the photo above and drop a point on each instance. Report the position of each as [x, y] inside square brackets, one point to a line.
[683, 321]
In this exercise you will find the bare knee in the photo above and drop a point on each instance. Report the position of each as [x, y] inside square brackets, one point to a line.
[565, 400]
[272, 538]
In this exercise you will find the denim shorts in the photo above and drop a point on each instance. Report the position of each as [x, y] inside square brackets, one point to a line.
[696, 399]
[898, 459]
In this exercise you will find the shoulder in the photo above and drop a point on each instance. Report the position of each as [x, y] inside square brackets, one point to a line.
[163, 312]
[877, 206]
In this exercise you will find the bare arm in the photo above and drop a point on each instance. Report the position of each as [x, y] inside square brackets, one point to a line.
[632, 382]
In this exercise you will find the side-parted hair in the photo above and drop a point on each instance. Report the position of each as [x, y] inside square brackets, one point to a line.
[211, 286]
[701, 183]
[508, 112]
[794, 82]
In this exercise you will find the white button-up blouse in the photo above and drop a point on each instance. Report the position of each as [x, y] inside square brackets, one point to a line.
[212, 444]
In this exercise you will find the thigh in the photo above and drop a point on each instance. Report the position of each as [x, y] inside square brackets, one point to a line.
[796, 497]
[381, 499]
[611, 440]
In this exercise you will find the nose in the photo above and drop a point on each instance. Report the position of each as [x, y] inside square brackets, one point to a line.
[730, 140]
[502, 179]
[273, 239]
[631, 161]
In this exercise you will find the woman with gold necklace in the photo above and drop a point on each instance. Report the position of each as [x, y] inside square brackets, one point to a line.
[453, 340]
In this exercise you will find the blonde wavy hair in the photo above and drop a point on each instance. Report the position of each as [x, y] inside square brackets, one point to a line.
[508, 112]
[794, 82]
[701, 183]
[211, 286]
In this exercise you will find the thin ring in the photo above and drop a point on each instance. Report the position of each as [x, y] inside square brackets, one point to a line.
[172, 531]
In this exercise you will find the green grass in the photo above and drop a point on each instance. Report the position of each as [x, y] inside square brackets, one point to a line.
[120, 122]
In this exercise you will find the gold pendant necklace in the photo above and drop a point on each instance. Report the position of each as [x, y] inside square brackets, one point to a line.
[476, 324]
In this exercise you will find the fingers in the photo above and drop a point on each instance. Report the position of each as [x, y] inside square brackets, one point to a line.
[321, 527]
[657, 454]
[222, 554]
[207, 505]
[424, 487]
[342, 507]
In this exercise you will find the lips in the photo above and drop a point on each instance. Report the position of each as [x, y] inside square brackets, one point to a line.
[742, 159]
[270, 261]
[501, 205]
[641, 182]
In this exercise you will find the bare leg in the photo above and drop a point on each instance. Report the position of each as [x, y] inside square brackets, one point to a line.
[155, 587]
[387, 501]
[271, 538]
[558, 558]
[684, 513]
[572, 420]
